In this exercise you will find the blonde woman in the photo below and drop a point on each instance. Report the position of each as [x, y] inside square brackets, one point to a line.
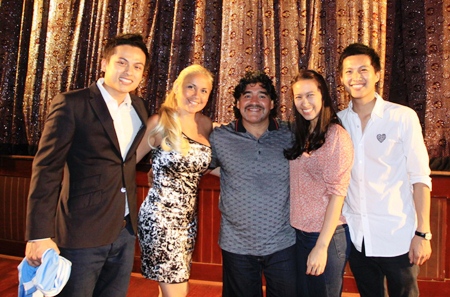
[167, 222]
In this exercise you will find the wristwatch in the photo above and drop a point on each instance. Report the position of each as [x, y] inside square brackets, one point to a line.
[426, 235]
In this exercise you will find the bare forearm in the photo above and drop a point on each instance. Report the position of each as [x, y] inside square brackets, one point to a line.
[332, 215]
[317, 258]
[422, 201]
[420, 249]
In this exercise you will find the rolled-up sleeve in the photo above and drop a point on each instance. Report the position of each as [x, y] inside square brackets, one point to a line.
[338, 161]
[417, 160]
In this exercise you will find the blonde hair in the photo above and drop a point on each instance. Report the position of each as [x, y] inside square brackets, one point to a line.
[169, 125]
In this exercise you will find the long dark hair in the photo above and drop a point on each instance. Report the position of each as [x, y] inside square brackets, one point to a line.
[306, 141]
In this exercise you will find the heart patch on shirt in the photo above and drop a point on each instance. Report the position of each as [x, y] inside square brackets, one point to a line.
[381, 137]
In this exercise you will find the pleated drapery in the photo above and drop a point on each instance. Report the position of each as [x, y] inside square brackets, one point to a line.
[51, 46]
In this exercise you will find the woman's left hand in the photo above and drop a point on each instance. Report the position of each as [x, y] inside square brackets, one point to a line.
[317, 260]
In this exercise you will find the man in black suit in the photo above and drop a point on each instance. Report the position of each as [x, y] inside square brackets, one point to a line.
[92, 135]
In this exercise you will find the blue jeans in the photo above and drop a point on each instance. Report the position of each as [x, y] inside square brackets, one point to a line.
[328, 283]
[370, 274]
[242, 274]
[101, 271]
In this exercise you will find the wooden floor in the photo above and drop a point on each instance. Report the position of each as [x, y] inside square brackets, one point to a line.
[139, 286]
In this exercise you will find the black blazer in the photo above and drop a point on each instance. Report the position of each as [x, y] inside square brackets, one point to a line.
[79, 132]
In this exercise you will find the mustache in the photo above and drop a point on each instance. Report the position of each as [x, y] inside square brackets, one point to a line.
[254, 106]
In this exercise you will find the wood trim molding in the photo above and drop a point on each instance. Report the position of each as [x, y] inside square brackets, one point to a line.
[15, 172]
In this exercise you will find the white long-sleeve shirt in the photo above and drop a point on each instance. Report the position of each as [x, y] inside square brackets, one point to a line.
[126, 122]
[390, 157]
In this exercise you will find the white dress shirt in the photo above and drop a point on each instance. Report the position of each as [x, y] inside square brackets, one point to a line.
[390, 156]
[126, 121]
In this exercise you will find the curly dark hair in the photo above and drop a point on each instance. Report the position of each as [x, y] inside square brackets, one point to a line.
[131, 39]
[254, 77]
[306, 141]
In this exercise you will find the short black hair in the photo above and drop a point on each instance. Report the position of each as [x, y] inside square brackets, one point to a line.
[254, 77]
[360, 49]
[131, 39]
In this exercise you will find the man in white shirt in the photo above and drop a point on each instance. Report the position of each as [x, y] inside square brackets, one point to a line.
[388, 203]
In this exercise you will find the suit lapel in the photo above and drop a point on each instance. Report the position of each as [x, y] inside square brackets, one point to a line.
[140, 109]
[99, 106]
[142, 113]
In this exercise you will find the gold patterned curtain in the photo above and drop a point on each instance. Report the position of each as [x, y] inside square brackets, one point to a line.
[51, 46]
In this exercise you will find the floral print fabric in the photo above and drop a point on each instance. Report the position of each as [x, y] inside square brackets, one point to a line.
[167, 221]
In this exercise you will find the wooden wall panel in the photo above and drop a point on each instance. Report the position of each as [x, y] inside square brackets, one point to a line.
[207, 258]
[434, 268]
[15, 172]
[13, 211]
[15, 175]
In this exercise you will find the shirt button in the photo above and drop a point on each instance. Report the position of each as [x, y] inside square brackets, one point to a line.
[123, 189]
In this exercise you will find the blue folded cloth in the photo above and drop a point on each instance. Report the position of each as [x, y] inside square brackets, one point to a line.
[47, 279]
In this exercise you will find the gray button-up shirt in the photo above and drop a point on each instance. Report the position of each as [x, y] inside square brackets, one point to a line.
[254, 188]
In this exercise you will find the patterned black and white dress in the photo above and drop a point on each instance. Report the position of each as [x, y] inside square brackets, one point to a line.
[167, 221]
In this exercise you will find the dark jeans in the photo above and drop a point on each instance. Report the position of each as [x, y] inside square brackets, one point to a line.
[101, 271]
[370, 273]
[242, 274]
[329, 283]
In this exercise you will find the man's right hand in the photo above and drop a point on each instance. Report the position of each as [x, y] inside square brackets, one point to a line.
[35, 249]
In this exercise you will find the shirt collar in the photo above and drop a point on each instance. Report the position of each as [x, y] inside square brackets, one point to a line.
[108, 98]
[273, 125]
[378, 108]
